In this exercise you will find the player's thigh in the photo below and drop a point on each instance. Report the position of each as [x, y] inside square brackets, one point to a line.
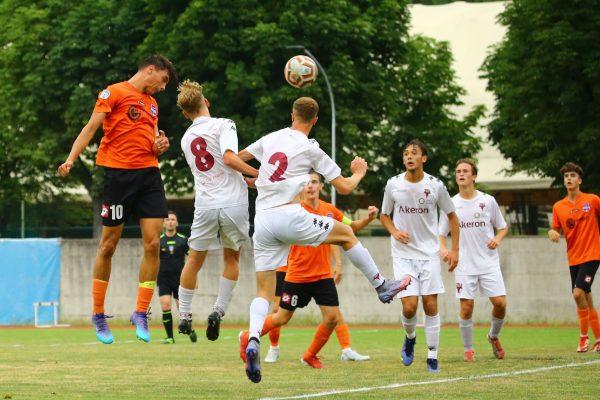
[492, 284]
[341, 234]
[466, 286]
[234, 226]
[270, 253]
[204, 231]
[430, 277]
[292, 224]
[265, 284]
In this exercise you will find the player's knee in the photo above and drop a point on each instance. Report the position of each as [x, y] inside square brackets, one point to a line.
[152, 246]
[107, 248]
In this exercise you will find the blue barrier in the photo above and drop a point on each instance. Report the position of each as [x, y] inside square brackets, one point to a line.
[29, 273]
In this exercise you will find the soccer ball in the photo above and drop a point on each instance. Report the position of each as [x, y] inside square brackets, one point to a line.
[300, 71]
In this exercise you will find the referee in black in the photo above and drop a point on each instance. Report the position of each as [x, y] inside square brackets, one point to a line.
[173, 249]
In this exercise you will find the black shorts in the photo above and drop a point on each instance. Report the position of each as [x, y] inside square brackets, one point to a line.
[298, 295]
[582, 275]
[280, 276]
[168, 283]
[137, 193]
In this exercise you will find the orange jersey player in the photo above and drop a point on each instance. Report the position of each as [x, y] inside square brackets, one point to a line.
[577, 216]
[133, 185]
[309, 276]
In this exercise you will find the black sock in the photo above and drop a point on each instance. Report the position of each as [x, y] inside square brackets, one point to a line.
[168, 322]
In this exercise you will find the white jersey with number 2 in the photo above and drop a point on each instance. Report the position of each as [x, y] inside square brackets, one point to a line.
[415, 210]
[286, 157]
[216, 185]
[478, 217]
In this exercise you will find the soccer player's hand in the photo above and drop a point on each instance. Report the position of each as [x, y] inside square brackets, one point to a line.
[161, 144]
[337, 273]
[251, 182]
[359, 166]
[493, 244]
[401, 236]
[65, 168]
[373, 211]
[452, 260]
[553, 235]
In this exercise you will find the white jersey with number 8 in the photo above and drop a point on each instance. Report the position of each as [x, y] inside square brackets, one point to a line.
[216, 185]
[286, 157]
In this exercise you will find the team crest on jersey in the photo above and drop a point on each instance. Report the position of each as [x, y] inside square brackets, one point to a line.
[458, 287]
[586, 207]
[104, 212]
[171, 249]
[570, 223]
[427, 192]
[482, 206]
[153, 110]
[134, 113]
[105, 94]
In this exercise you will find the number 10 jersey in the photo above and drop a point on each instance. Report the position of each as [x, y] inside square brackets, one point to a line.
[203, 144]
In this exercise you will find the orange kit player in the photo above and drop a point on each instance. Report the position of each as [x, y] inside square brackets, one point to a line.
[577, 216]
[133, 185]
[309, 276]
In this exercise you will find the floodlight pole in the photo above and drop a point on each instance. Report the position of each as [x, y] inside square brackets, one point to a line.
[322, 70]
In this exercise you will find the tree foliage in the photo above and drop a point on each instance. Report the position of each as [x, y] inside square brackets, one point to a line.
[55, 57]
[546, 79]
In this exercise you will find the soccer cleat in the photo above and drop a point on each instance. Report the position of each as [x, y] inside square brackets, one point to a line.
[432, 365]
[185, 325]
[351, 355]
[253, 361]
[272, 355]
[214, 325]
[496, 347]
[469, 355]
[193, 336]
[243, 338]
[140, 320]
[408, 350]
[103, 332]
[168, 340]
[596, 347]
[388, 289]
[584, 344]
[313, 362]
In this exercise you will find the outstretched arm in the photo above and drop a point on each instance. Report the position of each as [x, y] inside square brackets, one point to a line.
[363, 222]
[343, 185]
[233, 161]
[81, 142]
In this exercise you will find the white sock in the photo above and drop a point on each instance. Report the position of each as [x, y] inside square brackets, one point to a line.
[466, 332]
[185, 300]
[410, 326]
[496, 326]
[226, 287]
[360, 257]
[258, 313]
[432, 335]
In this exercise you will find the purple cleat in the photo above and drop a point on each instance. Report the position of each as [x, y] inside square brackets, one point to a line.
[140, 320]
[389, 289]
[103, 332]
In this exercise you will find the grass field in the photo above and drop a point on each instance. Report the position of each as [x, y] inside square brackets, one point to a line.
[68, 363]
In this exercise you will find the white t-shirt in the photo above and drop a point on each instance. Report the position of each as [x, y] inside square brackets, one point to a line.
[286, 157]
[216, 185]
[415, 210]
[478, 217]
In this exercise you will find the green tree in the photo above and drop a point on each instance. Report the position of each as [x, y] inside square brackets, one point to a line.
[546, 78]
[389, 88]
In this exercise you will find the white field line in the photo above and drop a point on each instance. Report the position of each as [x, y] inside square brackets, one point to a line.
[434, 382]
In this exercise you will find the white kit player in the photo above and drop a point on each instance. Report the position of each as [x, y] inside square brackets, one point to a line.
[287, 156]
[412, 200]
[479, 265]
[221, 216]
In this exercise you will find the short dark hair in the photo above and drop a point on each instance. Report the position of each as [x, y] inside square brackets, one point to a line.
[417, 143]
[305, 108]
[171, 212]
[571, 167]
[312, 171]
[161, 63]
[469, 161]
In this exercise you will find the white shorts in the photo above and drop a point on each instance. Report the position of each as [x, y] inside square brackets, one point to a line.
[275, 229]
[220, 227]
[490, 285]
[425, 274]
